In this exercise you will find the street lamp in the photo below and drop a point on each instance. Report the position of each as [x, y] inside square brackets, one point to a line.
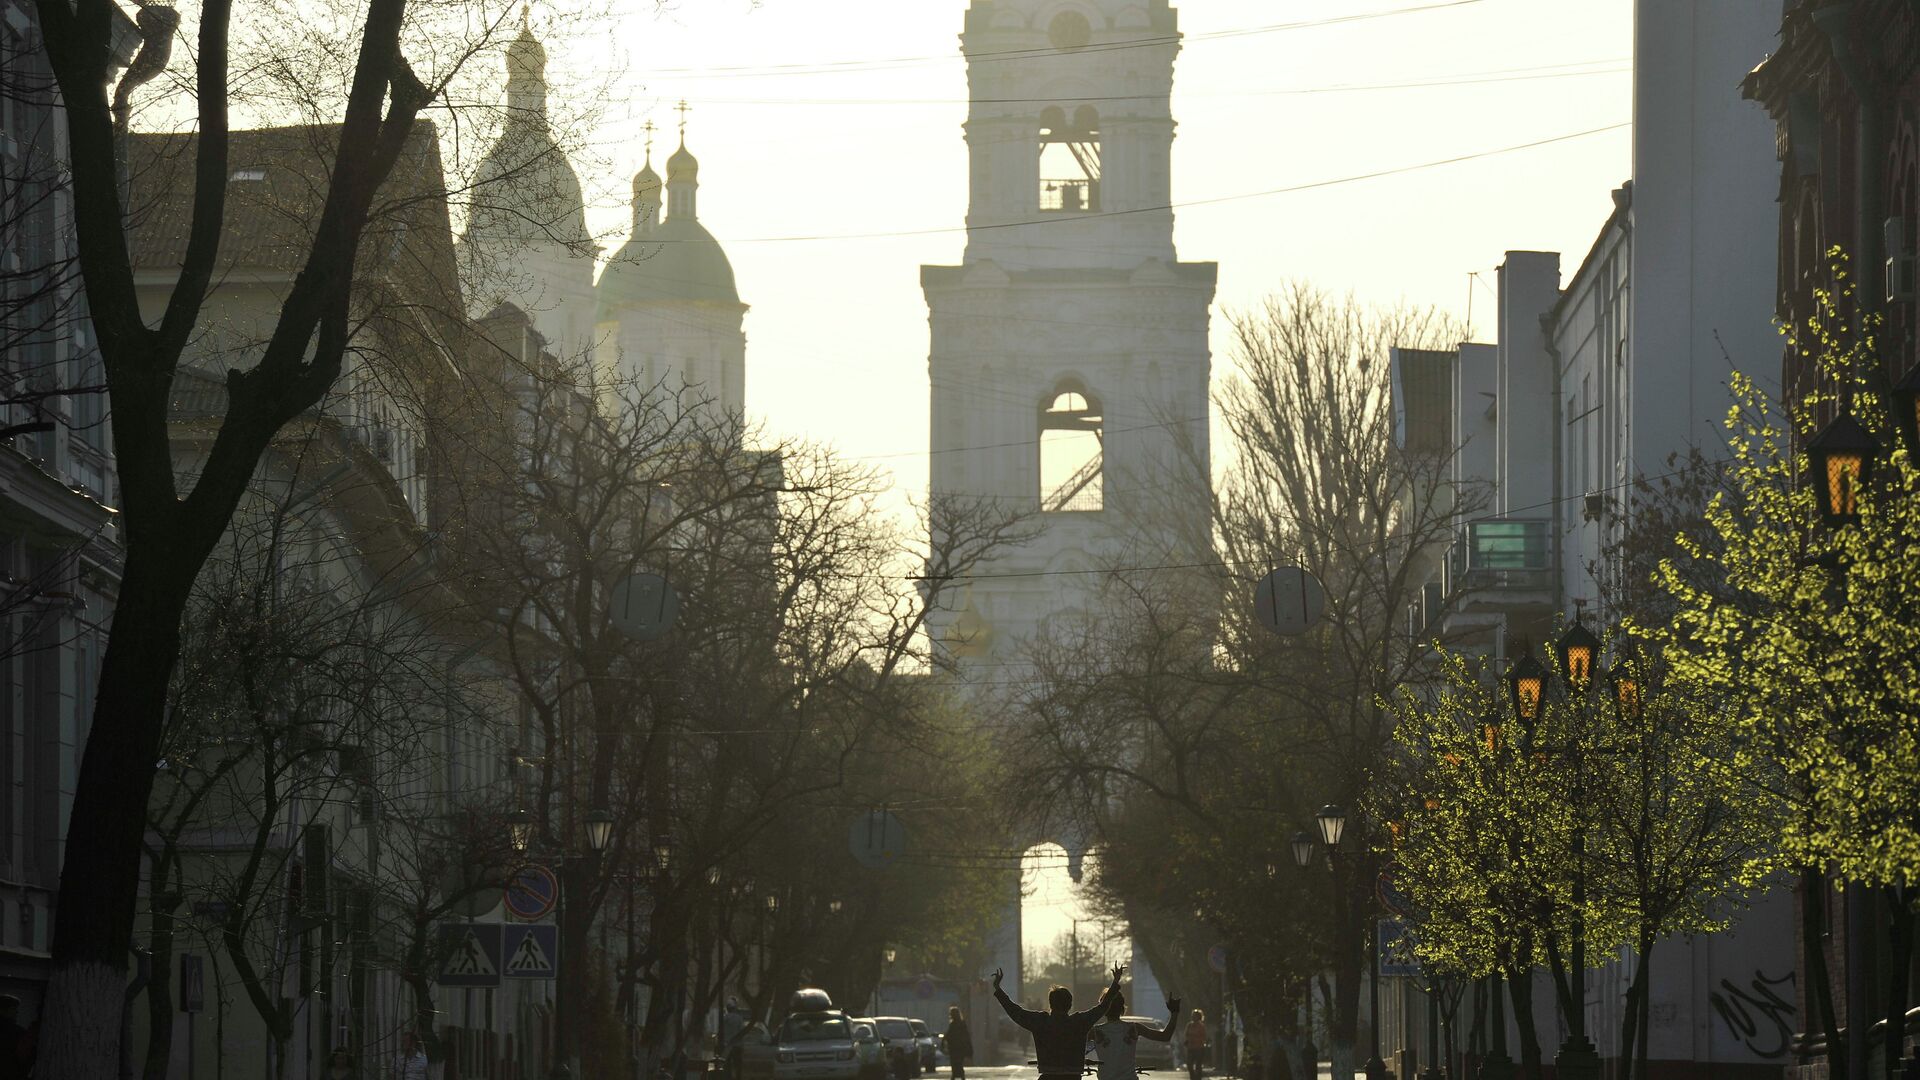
[1333, 825]
[833, 906]
[773, 903]
[713, 876]
[663, 855]
[1906, 413]
[599, 829]
[1527, 684]
[1578, 651]
[890, 955]
[1839, 463]
[520, 830]
[1302, 849]
[1629, 699]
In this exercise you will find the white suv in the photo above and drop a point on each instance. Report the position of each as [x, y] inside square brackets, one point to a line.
[816, 1046]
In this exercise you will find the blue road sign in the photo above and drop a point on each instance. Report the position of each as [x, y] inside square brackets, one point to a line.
[471, 954]
[1395, 947]
[533, 892]
[532, 952]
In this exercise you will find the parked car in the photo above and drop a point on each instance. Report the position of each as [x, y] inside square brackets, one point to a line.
[903, 1050]
[929, 1046]
[816, 1046]
[1148, 1054]
[869, 1049]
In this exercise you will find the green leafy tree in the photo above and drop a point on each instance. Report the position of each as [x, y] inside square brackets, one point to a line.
[1811, 639]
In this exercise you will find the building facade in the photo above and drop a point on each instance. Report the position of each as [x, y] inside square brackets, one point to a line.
[1842, 91]
[1598, 390]
[60, 553]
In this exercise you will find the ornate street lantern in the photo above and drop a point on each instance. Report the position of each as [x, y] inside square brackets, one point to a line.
[834, 905]
[773, 903]
[1333, 824]
[663, 854]
[1629, 697]
[520, 830]
[1302, 849]
[713, 875]
[1579, 649]
[599, 829]
[1527, 683]
[1839, 463]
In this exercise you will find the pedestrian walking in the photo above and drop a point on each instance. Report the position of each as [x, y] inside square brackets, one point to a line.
[411, 1064]
[959, 1042]
[1117, 1041]
[1196, 1044]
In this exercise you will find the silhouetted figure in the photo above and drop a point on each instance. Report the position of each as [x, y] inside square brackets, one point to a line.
[1059, 1034]
[1196, 1044]
[959, 1042]
[1117, 1040]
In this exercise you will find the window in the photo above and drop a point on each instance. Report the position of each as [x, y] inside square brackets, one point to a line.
[249, 172]
[1071, 451]
[1069, 160]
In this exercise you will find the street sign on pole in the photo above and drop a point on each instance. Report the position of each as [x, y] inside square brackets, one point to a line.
[1217, 959]
[1395, 945]
[1289, 601]
[533, 892]
[643, 606]
[1387, 888]
[532, 952]
[876, 838]
[193, 983]
[472, 955]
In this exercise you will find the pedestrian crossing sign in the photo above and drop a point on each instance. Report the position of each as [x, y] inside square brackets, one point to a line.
[470, 955]
[532, 951]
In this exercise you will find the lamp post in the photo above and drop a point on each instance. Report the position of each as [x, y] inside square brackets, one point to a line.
[598, 825]
[1577, 1058]
[1331, 820]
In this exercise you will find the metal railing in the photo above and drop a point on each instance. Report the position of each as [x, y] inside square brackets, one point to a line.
[1512, 553]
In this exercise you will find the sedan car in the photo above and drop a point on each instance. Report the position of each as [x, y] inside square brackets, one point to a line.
[869, 1049]
[903, 1050]
[929, 1046]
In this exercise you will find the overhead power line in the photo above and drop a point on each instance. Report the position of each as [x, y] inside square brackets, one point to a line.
[1155, 41]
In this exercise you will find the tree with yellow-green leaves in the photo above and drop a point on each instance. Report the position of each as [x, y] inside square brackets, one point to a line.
[1551, 817]
[1806, 630]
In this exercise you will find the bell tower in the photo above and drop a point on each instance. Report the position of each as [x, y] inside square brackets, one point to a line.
[1069, 360]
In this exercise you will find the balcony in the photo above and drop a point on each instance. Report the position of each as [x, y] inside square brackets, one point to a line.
[1502, 553]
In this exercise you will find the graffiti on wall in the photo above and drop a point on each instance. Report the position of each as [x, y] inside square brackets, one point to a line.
[1757, 1015]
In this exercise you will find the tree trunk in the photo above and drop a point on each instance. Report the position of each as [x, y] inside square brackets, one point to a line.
[1900, 940]
[79, 1038]
[160, 987]
[1520, 990]
[1813, 900]
[1562, 986]
[1643, 1000]
[1345, 1027]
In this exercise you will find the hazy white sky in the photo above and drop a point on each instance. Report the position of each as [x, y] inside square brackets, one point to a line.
[819, 123]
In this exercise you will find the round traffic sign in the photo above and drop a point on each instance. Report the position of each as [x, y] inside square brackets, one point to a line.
[1217, 959]
[876, 839]
[1289, 601]
[533, 892]
[643, 606]
[1391, 896]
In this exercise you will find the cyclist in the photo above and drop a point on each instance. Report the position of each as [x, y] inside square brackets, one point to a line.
[1117, 1040]
[1059, 1034]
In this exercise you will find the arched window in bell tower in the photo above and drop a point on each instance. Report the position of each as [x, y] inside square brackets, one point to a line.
[1072, 476]
[1069, 160]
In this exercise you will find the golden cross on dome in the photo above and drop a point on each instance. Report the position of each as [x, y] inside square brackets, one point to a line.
[649, 128]
[683, 109]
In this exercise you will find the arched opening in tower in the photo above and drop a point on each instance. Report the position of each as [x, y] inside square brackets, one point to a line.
[1069, 160]
[1067, 937]
[1072, 473]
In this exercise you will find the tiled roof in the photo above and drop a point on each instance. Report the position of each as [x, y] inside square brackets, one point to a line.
[276, 189]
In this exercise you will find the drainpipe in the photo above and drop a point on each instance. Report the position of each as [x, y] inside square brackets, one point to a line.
[1556, 523]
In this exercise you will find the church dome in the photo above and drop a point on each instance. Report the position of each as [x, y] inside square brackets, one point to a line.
[526, 57]
[683, 166]
[678, 261]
